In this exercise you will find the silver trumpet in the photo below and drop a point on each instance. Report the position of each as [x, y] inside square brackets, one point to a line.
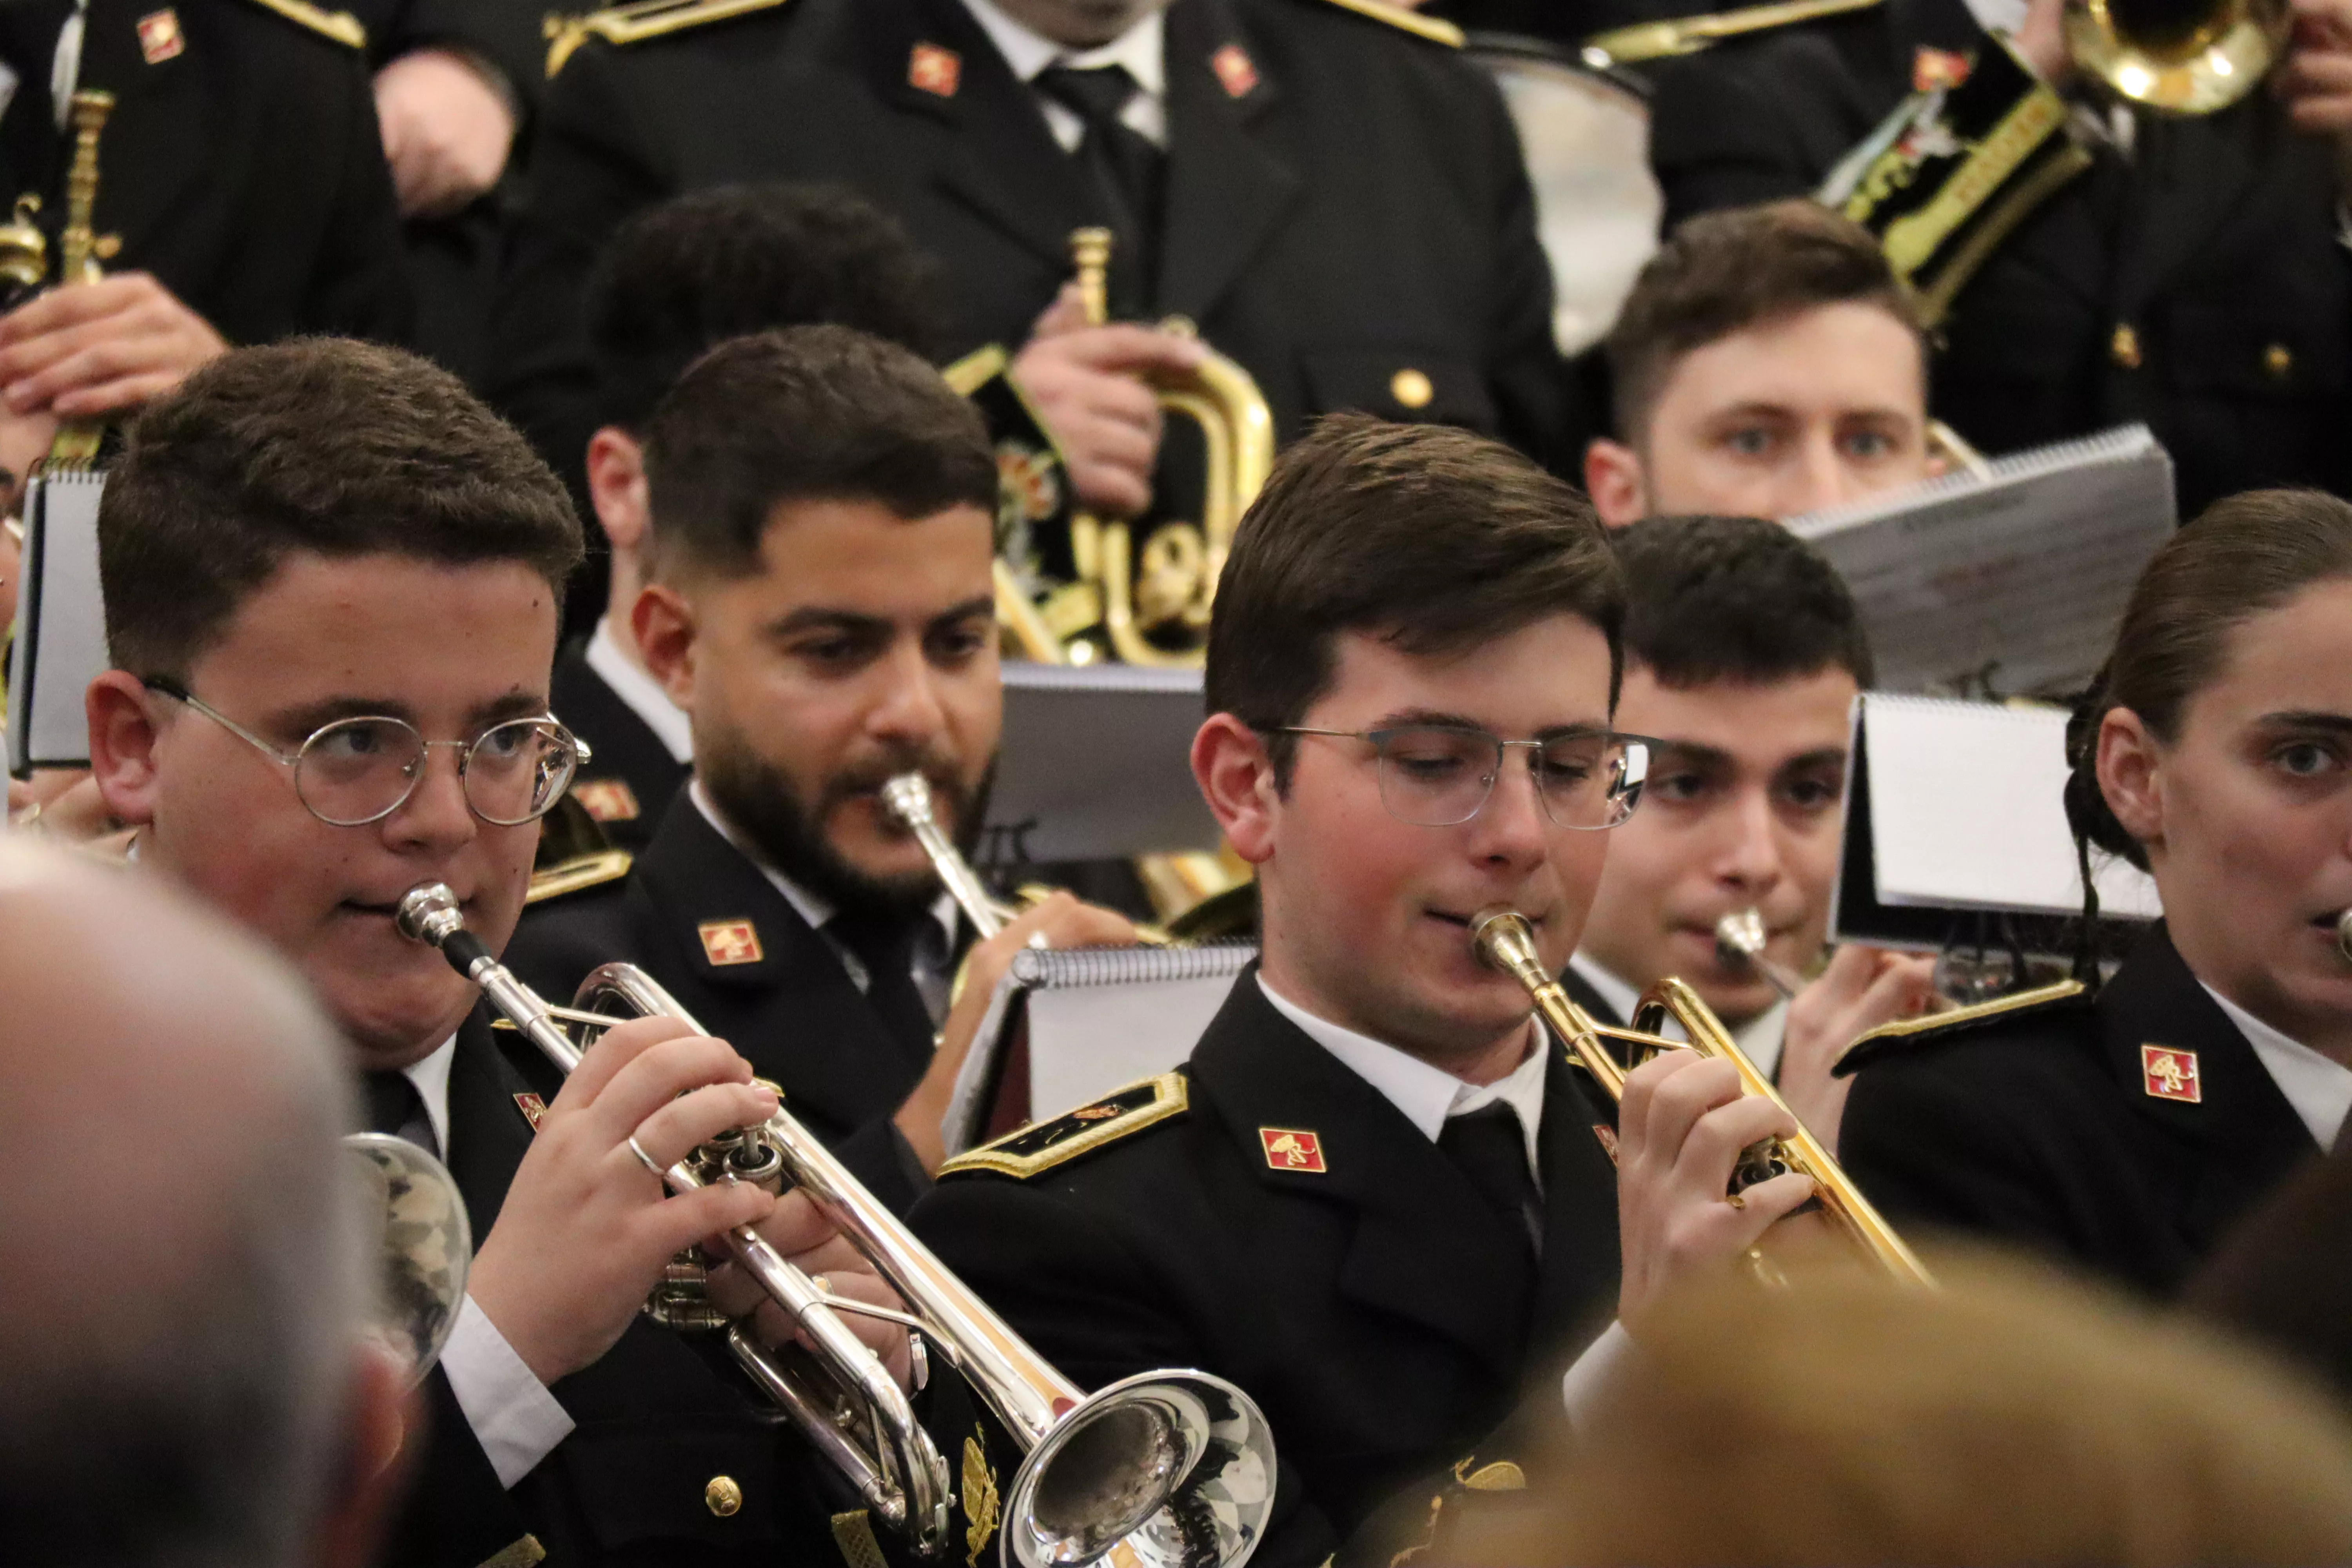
[907, 798]
[2344, 935]
[423, 1247]
[1739, 943]
[1175, 1466]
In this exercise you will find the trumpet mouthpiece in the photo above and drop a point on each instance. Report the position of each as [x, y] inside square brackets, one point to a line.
[1739, 936]
[429, 914]
[1503, 939]
[907, 797]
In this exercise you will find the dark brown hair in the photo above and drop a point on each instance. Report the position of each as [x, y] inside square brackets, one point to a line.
[1436, 539]
[1724, 272]
[323, 445]
[1736, 599]
[806, 413]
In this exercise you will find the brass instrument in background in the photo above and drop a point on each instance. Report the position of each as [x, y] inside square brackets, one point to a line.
[1151, 604]
[1740, 943]
[24, 258]
[1503, 939]
[2180, 57]
[424, 1244]
[1163, 1468]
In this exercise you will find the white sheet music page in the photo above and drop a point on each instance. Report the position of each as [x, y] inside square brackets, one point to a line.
[1967, 811]
[2009, 581]
[60, 643]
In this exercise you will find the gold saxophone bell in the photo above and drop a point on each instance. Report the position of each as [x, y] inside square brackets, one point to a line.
[1171, 1468]
[1503, 940]
[2180, 57]
[423, 1247]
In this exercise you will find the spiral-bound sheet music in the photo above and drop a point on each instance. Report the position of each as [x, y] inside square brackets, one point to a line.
[60, 642]
[1098, 1019]
[1096, 765]
[2009, 581]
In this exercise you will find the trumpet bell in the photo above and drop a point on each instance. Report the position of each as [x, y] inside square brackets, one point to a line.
[423, 1247]
[2177, 57]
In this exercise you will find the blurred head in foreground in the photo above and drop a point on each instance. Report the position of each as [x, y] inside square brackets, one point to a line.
[2010, 1417]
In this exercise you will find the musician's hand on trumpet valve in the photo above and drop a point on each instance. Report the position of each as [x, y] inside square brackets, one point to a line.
[96, 347]
[1086, 384]
[1060, 919]
[1682, 1128]
[811, 1244]
[587, 1228]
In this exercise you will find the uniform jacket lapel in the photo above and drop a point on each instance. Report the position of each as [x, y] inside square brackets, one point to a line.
[2187, 178]
[489, 1130]
[1577, 1281]
[793, 1013]
[1229, 186]
[1424, 1245]
[2247, 1135]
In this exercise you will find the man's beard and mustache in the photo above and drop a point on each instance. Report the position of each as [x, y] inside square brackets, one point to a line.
[788, 833]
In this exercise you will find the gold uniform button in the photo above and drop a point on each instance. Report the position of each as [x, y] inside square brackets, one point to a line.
[722, 1496]
[1411, 388]
[2278, 362]
[2125, 346]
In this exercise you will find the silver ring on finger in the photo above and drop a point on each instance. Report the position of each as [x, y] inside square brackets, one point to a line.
[647, 1160]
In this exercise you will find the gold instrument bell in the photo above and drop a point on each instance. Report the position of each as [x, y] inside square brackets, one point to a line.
[1151, 604]
[2178, 56]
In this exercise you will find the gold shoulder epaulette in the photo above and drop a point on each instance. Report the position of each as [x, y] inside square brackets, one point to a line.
[1688, 34]
[1043, 1145]
[636, 22]
[582, 872]
[1409, 20]
[340, 25]
[1930, 1025]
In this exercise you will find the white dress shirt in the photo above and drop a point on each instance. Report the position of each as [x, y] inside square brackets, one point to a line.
[514, 1417]
[640, 692]
[2317, 1087]
[1141, 50]
[1760, 1038]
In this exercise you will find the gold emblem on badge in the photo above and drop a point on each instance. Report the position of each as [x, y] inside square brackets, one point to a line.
[606, 800]
[1290, 1149]
[2167, 1074]
[534, 1108]
[935, 71]
[979, 1504]
[726, 942]
[159, 37]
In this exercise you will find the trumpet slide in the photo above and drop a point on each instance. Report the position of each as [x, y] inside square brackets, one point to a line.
[1175, 1466]
[1503, 939]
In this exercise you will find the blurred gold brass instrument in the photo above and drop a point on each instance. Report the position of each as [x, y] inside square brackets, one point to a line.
[1163, 1468]
[423, 1247]
[1165, 590]
[24, 256]
[1503, 939]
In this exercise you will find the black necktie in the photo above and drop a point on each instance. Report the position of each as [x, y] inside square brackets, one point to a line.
[886, 945]
[394, 1106]
[1488, 1147]
[1123, 165]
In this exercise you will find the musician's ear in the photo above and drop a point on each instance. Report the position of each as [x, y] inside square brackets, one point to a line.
[1236, 778]
[122, 734]
[662, 620]
[1613, 478]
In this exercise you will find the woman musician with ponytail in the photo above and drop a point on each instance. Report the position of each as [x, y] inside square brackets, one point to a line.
[2124, 1126]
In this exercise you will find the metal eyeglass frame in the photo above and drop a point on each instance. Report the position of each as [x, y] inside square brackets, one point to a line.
[1629, 791]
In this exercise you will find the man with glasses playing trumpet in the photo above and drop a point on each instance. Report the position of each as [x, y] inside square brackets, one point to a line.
[331, 582]
[821, 604]
[1375, 1197]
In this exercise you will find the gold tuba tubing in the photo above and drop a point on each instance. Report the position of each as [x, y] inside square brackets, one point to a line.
[1176, 1466]
[1503, 939]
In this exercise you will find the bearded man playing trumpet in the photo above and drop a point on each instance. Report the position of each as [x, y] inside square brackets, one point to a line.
[331, 581]
[1375, 1197]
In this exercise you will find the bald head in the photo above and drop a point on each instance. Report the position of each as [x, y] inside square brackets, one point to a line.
[179, 1275]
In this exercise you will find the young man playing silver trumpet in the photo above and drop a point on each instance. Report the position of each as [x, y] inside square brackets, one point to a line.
[331, 582]
[1377, 1197]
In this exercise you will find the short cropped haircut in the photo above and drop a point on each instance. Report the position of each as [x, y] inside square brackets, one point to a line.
[1429, 538]
[1736, 599]
[809, 413]
[322, 445]
[1725, 272]
[691, 272]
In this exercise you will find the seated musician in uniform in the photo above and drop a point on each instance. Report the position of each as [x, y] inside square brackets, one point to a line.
[330, 580]
[1743, 654]
[675, 280]
[1765, 364]
[1374, 1198]
[2127, 1126]
[822, 606]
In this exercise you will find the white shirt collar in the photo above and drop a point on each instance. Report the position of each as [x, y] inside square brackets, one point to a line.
[1759, 1038]
[1141, 49]
[2003, 16]
[430, 1076]
[2319, 1089]
[806, 904]
[640, 692]
[1428, 1096]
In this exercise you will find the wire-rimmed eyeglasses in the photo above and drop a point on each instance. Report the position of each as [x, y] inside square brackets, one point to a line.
[355, 771]
[1436, 775]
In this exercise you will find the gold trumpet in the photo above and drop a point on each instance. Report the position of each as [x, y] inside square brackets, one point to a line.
[2180, 57]
[1164, 1468]
[1503, 939]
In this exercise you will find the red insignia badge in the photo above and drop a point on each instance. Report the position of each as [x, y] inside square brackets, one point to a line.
[159, 37]
[1932, 69]
[1095, 1112]
[1606, 1136]
[1287, 1149]
[935, 71]
[1233, 70]
[2167, 1074]
[606, 800]
[534, 1108]
[730, 941]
